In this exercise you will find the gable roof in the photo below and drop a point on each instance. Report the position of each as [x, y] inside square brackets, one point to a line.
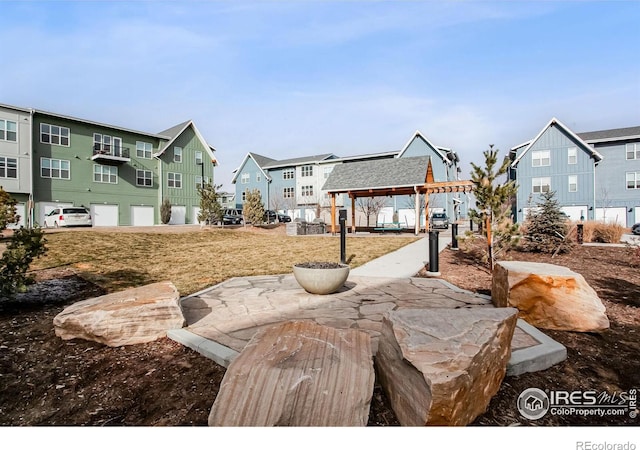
[555, 122]
[297, 161]
[616, 134]
[177, 130]
[440, 151]
[378, 174]
[260, 161]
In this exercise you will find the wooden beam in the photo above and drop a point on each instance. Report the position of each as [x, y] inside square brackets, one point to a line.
[353, 215]
[333, 213]
[417, 213]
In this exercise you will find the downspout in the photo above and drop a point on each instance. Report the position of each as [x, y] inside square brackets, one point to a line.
[160, 185]
[595, 164]
[31, 201]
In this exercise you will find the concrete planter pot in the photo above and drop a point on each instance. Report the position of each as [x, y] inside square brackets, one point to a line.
[321, 277]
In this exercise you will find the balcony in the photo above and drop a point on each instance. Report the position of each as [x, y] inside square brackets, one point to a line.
[110, 154]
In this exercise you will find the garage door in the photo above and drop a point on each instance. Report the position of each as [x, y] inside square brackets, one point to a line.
[575, 212]
[178, 215]
[612, 215]
[104, 215]
[637, 214]
[194, 217]
[142, 216]
[21, 210]
[45, 208]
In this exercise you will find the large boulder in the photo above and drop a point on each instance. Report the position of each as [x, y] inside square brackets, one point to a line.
[548, 296]
[298, 373]
[442, 366]
[132, 316]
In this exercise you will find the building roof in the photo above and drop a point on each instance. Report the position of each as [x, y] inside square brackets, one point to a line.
[441, 151]
[555, 122]
[378, 174]
[615, 134]
[177, 130]
[260, 161]
[298, 161]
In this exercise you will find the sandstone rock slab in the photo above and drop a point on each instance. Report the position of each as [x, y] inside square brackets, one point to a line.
[548, 296]
[298, 373]
[442, 366]
[132, 316]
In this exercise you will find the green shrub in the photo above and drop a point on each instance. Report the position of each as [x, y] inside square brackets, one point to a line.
[252, 208]
[546, 228]
[24, 246]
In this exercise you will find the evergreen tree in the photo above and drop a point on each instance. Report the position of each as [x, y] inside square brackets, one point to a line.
[165, 211]
[493, 202]
[24, 246]
[253, 209]
[546, 226]
[210, 209]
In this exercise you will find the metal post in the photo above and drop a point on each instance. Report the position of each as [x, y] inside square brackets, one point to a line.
[580, 233]
[343, 236]
[433, 254]
[454, 236]
[470, 224]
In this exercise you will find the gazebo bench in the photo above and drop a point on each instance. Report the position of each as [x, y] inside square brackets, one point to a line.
[390, 226]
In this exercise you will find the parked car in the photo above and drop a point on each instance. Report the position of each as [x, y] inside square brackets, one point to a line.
[439, 220]
[636, 229]
[270, 216]
[232, 216]
[68, 217]
[283, 218]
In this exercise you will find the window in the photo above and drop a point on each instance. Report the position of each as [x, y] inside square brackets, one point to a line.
[244, 178]
[633, 180]
[177, 154]
[541, 158]
[199, 159]
[633, 151]
[8, 167]
[199, 181]
[55, 168]
[288, 192]
[143, 149]
[106, 144]
[288, 174]
[573, 183]
[307, 191]
[327, 172]
[144, 178]
[572, 155]
[8, 130]
[258, 178]
[105, 174]
[306, 171]
[541, 185]
[174, 180]
[54, 134]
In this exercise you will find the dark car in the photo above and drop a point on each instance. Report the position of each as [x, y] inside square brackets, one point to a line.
[232, 217]
[270, 216]
[439, 220]
[636, 229]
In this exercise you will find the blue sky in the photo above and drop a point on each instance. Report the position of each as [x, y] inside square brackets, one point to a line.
[292, 78]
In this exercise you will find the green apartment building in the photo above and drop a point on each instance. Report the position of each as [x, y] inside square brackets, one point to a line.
[120, 175]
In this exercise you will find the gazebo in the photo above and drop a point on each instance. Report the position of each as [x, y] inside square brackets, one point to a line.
[387, 178]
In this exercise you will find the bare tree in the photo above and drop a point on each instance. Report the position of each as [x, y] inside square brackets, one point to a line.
[370, 206]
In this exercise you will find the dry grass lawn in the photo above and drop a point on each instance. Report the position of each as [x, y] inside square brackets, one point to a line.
[198, 258]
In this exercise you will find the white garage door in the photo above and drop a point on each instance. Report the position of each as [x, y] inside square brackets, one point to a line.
[178, 215]
[575, 212]
[45, 208]
[104, 215]
[612, 215]
[142, 216]
[21, 210]
[196, 211]
[637, 214]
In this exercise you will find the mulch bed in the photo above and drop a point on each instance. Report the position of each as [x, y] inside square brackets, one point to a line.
[48, 381]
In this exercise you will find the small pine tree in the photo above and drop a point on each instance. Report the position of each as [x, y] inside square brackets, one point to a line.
[210, 209]
[165, 211]
[24, 246]
[253, 209]
[546, 227]
[493, 200]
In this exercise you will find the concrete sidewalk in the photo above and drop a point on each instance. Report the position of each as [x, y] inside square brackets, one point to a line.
[405, 262]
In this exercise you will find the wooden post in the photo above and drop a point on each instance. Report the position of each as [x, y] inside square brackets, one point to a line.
[417, 212]
[489, 238]
[353, 214]
[333, 213]
[426, 212]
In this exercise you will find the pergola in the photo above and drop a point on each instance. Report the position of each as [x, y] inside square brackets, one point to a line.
[426, 186]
